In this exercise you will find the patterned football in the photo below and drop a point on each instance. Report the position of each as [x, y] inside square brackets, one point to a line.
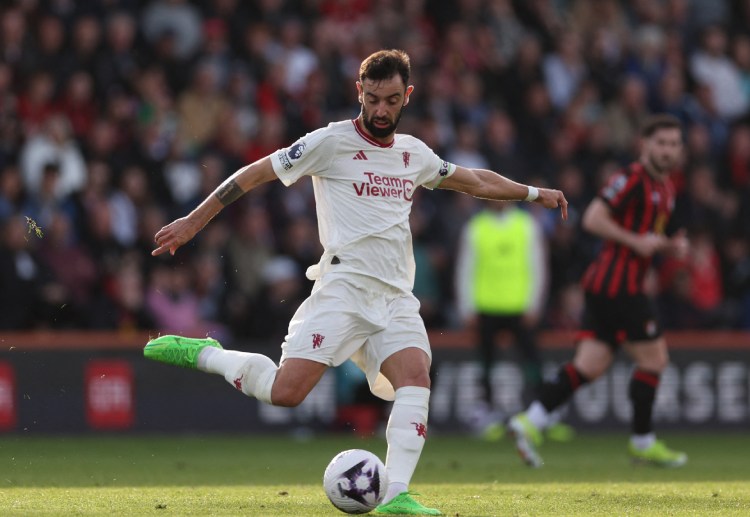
[355, 481]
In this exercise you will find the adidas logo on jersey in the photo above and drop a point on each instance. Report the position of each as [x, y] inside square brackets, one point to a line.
[360, 156]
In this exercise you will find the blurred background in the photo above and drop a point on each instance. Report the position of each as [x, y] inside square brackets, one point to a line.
[117, 116]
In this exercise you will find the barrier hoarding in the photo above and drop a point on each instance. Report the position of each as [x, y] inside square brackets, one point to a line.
[101, 382]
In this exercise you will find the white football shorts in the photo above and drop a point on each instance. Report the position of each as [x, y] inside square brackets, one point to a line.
[350, 316]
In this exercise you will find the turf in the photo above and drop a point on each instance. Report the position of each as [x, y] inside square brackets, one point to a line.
[251, 475]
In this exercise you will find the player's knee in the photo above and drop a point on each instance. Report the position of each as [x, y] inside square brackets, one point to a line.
[420, 379]
[657, 364]
[287, 396]
[592, 370]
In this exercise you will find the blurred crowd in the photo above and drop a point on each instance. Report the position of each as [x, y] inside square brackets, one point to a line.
[117, 116]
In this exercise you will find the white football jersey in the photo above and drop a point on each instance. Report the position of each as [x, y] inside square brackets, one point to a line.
[363, 195]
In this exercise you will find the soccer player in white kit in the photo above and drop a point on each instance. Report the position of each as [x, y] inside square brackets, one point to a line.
[361, 305]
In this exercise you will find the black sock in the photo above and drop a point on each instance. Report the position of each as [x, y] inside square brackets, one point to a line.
[554, 394]
[643, 386]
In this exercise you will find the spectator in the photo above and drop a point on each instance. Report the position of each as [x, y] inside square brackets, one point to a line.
[124, 81]
[282, 290]
[49, 54]
[117, 68]
[469, 106]
[10, 131]
[177, 17]
[250, 248]
[736, 269]
[172, 300]
[741, 55]
[36, 105]
[672, 97]
[466, 149]
[508, 30]
[693, 285]
[125, 202]
[29, 293]
[54, 145]
[712, 67]
[200, 110]
[564, 70]
[430, 261]
[69, 262]
[86, 43]
[78, 103]
[15, 47]
[216, 49]
[44, 203]
[12, 193]
[500, 145]
[648, 61]
[626, 115]
[122, 305]
[299, 61]
[210, 288]
[707, 204]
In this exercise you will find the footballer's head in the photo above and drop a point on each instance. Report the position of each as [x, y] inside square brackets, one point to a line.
[662, 143]
[384, 90]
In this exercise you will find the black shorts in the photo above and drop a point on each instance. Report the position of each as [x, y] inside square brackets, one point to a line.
[615, 320]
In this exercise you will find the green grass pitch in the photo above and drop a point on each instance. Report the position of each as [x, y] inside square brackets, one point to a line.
[252, 475]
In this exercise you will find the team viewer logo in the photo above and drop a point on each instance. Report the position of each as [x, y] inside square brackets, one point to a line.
[317, 340]
[406, 155]
[384, 187]
[421, 429]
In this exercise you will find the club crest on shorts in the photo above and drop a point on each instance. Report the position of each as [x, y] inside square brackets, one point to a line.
[238, 382]
[317, 340]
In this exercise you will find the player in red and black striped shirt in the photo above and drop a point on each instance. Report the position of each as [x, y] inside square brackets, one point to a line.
[630, 213]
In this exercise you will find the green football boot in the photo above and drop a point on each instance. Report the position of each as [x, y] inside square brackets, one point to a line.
[493, 432]
[178, 350]
[560, 432]
[528, 438]
[658, 454]
[404, 504]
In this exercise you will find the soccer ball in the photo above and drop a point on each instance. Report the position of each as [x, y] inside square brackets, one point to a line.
[355, 481]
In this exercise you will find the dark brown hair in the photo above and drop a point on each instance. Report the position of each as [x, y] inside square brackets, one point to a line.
[384, 64]
[659, 121]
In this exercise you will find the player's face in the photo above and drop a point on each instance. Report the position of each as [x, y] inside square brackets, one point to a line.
[382, 104]
[663, 149]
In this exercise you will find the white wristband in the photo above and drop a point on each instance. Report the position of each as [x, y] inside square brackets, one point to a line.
[533, 194]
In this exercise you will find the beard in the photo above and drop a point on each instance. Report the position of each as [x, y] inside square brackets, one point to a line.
[380, 132]
[661, 166]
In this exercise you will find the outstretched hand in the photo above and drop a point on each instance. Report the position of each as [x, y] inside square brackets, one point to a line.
[679, 244]
[174, 235]
[551, 198]
[647, 244]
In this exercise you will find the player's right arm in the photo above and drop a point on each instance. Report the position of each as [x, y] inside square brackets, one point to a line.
[182, 230]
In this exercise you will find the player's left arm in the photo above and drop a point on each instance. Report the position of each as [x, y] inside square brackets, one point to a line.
[485, 184]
